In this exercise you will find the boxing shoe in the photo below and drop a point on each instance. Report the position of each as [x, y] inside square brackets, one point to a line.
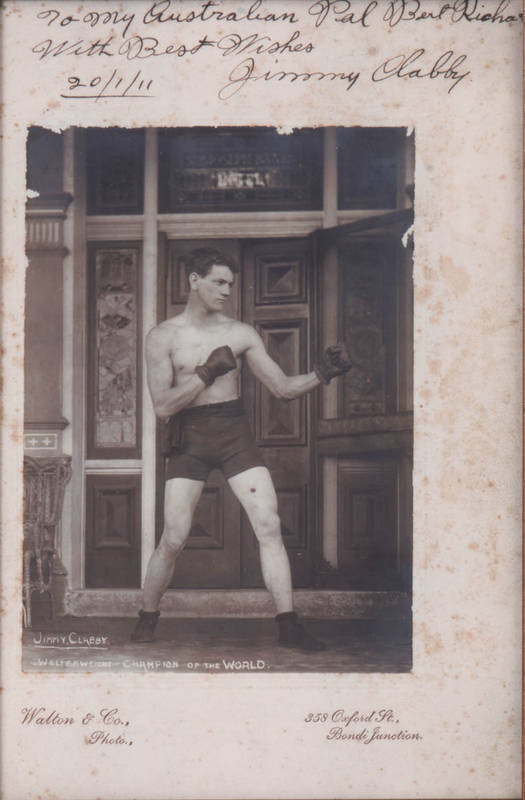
[220, 361]
[334, 361]
[144, 630]
[292, 634]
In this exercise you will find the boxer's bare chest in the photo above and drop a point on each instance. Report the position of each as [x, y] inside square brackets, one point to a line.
[190, 346]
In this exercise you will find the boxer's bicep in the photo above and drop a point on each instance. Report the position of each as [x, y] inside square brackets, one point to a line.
[265, 368]
[285, 387]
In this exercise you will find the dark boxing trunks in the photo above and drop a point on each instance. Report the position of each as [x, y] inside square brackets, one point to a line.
[215, 436]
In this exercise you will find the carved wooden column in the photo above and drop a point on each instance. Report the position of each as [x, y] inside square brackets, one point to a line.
[46, 469]
[43, 327]
[45, 480]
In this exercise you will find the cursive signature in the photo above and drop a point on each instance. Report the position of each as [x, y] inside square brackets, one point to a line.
[244, 74]
[446, 66]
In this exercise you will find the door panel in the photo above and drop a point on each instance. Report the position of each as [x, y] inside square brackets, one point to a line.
[112, 531]
[276, 301]
[278, 422]
[368, 522]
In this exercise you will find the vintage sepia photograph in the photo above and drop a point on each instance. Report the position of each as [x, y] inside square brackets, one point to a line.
[218, 400]
[261, 322]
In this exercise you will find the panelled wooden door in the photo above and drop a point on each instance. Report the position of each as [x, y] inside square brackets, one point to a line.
[367, 447]
[277, 298]
[272, 292]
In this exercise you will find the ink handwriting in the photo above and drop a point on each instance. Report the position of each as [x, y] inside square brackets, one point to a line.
[402, 66]
[399, 11]
[80, 47]
[92, 18]
[158, 30]
[161, 11]
[341, 11]
[235, 44]
[142, 47]
[244, 74]
[115, 86]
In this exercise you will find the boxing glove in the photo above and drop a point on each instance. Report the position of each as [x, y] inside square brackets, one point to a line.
[334, 361]
[220, 361]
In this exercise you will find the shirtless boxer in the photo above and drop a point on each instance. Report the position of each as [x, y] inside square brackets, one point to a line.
[193, 362]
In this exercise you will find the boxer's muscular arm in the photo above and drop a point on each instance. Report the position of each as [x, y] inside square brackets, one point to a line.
[167, 399]
[264, 368]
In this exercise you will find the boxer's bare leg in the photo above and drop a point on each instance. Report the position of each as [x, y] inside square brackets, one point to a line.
[255, 491]
[180, 499]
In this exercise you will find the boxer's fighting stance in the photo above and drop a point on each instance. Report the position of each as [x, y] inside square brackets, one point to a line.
[193, 361]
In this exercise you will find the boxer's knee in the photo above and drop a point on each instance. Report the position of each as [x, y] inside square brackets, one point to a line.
[173, 537]
[267, 526]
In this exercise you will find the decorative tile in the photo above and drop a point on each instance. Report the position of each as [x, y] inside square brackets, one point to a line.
[40, 441]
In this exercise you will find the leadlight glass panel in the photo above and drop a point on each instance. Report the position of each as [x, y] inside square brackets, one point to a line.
[114, 353]
[253, 169]
[368, 303]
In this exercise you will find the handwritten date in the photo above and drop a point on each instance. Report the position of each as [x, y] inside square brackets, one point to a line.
[114, 86]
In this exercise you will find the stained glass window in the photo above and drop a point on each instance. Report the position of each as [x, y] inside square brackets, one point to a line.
[114, 352]
[243, 169]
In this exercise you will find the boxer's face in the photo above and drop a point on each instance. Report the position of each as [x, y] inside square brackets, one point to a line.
[215, 287]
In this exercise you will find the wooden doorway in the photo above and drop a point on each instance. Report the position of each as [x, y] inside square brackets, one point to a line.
[273, 292]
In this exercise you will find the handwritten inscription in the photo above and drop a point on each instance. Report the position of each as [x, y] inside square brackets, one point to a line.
[446, 66]
[245, 74]
[164, 11]
[342, 11]
[91, 18]
[115, 85]
[105, 718]
[399, 11]
[169, 30]
[364, 727]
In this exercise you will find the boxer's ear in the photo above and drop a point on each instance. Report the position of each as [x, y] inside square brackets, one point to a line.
[193, 277]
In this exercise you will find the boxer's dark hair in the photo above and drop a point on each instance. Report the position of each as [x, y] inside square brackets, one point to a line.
[204, 258]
